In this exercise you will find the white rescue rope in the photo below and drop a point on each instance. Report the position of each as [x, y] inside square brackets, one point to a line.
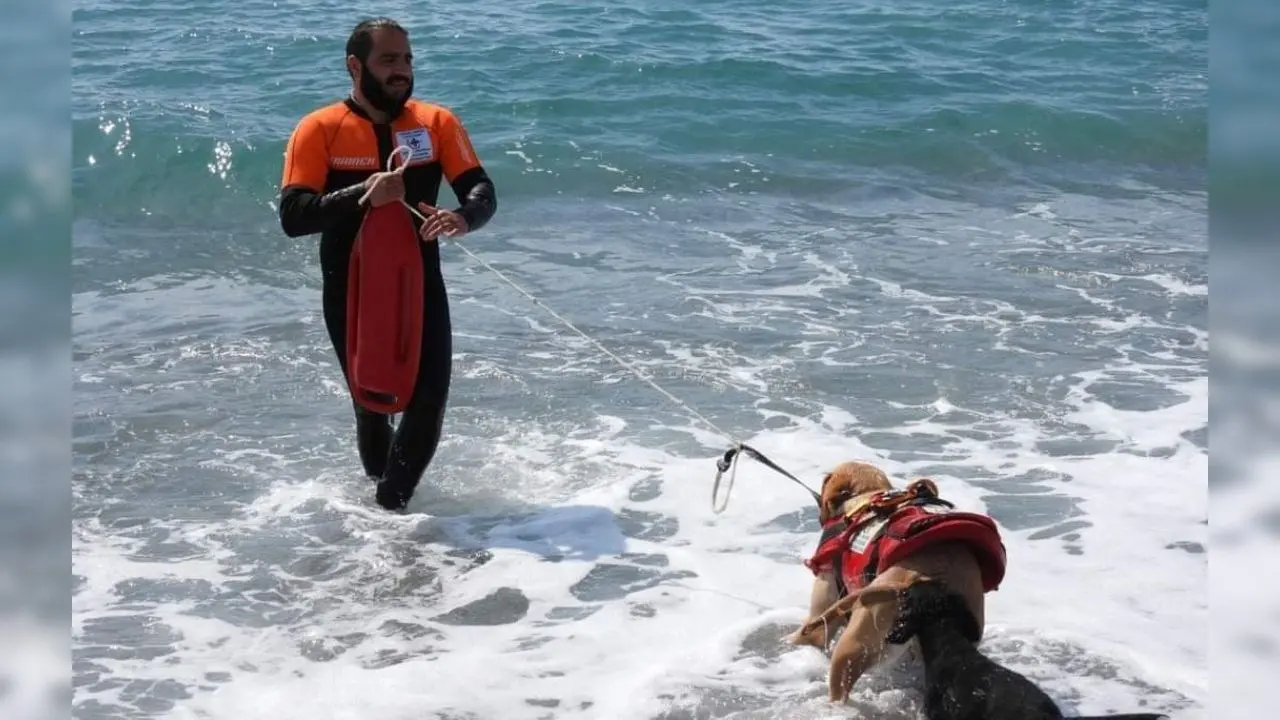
[405, 153]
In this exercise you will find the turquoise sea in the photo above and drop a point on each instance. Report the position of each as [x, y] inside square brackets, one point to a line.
[966, 240]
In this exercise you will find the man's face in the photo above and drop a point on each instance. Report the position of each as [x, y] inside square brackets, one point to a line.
[386, 78]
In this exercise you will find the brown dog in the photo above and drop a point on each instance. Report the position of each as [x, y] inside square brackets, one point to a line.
[875, 540]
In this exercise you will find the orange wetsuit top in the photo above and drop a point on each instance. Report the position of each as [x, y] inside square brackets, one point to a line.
[335, 148]
[331, 153]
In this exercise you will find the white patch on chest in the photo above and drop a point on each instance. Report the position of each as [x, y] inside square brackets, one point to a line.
[419, 141]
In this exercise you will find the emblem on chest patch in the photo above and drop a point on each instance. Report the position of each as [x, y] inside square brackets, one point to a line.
[419, 141]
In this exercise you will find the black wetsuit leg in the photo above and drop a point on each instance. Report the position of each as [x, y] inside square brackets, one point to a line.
[421, 425]
[373, 430]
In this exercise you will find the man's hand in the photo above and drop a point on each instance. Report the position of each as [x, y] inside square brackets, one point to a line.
[441, 222]
[384, 187]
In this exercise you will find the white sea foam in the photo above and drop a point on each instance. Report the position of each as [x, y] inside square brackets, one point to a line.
[731, 576]
[309, 602]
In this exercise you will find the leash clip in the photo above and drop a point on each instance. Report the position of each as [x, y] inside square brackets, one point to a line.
[723, 463]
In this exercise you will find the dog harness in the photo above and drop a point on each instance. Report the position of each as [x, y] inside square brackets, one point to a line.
[890, 526]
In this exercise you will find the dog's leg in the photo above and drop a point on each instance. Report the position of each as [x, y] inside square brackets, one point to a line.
[824, 593]
[862, 643]
[860, 647]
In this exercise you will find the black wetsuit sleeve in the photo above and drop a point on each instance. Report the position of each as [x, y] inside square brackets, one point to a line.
[305, 212]
[478, 197]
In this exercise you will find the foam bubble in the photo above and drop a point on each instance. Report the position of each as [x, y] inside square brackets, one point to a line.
[562, 559]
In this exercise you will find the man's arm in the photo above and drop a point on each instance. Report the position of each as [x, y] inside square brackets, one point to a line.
[304, 207]
[470, 183]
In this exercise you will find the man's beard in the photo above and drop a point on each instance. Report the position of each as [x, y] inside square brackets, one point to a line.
[379, 96]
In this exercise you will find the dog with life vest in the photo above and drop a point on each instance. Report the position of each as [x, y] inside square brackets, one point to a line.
[876, 537]
[897, 566]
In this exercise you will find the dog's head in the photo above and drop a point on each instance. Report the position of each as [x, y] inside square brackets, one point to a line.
[926, 602]
[846, 482]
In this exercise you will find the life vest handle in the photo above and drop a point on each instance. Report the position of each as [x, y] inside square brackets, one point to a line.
[889, 501]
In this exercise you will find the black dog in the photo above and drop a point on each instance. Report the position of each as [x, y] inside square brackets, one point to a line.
[960, 682]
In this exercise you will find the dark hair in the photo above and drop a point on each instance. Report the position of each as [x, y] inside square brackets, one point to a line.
[930, 603]
[360, 43]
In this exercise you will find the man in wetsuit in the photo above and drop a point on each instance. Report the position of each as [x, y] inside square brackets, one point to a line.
[334, 157]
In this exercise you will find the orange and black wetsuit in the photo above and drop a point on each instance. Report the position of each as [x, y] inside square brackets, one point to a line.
[331, 153]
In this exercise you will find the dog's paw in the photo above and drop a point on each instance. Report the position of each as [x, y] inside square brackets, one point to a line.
[812, 638]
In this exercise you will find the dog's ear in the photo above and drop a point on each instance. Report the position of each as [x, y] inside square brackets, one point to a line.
[823, 514]
[830, 508]
[833, 495]
[847, 481]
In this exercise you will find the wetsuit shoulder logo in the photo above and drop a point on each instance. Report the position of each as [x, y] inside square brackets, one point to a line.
[419, 141]
[354, 162]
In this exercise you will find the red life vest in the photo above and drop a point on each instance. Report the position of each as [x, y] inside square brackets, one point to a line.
[860, 545]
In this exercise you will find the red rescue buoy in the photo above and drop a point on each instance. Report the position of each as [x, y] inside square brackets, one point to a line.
[384, 310]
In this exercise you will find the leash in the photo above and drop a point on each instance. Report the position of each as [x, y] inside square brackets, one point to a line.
[726, 463]
[729, 463]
